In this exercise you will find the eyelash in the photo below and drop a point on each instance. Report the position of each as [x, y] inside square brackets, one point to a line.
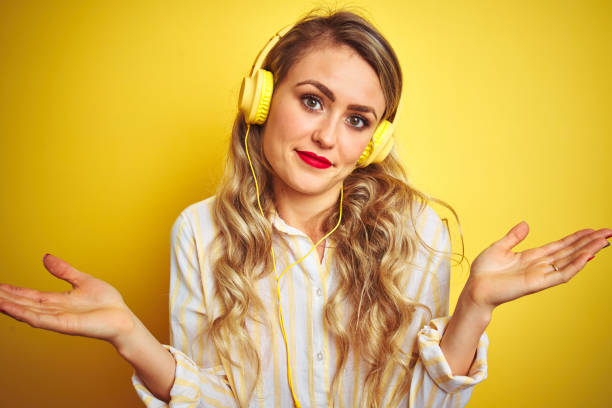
[364, 121]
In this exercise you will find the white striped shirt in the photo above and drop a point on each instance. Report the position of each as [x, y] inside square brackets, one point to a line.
[201, 378]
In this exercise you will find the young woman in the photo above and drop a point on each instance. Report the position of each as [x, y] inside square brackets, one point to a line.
[316, 276]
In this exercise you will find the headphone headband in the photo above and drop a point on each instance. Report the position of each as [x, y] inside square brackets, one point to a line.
[266, 49]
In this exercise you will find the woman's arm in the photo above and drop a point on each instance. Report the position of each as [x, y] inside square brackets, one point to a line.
[152, 363]
[499, 275]
[93, 308]
[462, 334]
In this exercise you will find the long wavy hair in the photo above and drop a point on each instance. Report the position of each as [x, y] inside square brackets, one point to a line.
[376, 240]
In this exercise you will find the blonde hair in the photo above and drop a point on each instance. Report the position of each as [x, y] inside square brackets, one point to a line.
[376, 240]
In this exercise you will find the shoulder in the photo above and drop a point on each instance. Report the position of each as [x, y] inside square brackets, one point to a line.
[195, 220]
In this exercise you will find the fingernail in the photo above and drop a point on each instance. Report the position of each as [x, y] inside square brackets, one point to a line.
[590, 258]
[607, 245]
[608, 236]
[44, 257]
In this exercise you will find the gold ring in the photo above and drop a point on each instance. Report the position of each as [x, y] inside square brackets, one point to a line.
[554, 267]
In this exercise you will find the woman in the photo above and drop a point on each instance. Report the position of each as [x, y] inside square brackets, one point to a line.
[329, 231]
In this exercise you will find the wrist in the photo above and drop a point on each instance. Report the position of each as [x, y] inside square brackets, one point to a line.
[461, 336]
[478, 316]
[152, 362]
[129, 337]
[473, 302]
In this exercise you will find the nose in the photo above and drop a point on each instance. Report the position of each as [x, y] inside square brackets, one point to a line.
[324, 133]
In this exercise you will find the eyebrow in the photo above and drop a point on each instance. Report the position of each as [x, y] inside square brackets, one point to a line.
[330, 95]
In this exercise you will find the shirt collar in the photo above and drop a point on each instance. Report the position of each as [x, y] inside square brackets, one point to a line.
[282, 226]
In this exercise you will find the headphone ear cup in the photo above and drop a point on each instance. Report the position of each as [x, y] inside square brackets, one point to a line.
[380, 145]
[255, 96]
[385, 144]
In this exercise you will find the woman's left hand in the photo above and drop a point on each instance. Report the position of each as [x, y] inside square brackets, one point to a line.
[499, 275]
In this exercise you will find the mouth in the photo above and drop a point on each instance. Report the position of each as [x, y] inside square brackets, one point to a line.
[313, 160]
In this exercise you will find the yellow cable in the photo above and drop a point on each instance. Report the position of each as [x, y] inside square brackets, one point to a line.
[276, 276]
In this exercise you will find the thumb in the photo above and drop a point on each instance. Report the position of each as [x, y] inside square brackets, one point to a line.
[514, 236]
[63, 270]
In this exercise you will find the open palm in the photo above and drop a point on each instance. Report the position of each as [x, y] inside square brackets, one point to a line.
[499, 275]
[93, 308]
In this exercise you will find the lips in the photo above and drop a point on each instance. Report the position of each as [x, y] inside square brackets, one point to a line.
[313, 160]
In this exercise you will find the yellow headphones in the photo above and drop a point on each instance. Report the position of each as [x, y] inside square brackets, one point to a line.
[256, 94]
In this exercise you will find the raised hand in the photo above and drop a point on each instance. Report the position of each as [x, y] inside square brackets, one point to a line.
[93, 308]
[499, 275]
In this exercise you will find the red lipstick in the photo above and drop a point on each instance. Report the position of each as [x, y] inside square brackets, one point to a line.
[312, 159]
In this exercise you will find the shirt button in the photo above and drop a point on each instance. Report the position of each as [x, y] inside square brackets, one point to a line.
[319, 292]
[319, 356]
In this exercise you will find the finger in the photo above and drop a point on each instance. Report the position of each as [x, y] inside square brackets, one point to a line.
[63, 270]
[514, 236]
[41, 304]
[567, 272]
[589, 250]
[35, 295]
[35, 319]
[555, 246]
[591, 243]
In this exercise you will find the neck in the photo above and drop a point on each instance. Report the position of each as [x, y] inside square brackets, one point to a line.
[305, 212]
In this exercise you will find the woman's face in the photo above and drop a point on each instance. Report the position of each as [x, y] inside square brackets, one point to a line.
[322, 116]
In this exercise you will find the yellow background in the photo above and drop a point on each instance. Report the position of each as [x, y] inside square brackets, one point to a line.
[115, 115]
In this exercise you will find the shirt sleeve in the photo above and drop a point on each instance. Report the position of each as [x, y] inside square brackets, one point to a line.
[433, 384]
[193, 386]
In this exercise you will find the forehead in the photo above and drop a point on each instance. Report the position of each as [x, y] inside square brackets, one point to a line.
[343, 71]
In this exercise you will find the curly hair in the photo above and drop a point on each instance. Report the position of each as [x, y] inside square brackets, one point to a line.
[376, 240]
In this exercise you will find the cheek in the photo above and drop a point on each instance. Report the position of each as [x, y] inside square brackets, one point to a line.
[267, 151]
[354, 147]
[282, 123]
[278, 134]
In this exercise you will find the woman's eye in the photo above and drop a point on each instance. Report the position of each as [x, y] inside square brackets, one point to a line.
[357, 121]
[311, 102]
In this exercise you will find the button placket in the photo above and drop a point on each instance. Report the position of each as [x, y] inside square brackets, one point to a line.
[318, 315]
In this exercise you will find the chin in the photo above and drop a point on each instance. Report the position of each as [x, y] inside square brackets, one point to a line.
[314, 189]
[309, 189]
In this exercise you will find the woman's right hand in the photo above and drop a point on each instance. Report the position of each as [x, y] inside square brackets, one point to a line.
[93, 308]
